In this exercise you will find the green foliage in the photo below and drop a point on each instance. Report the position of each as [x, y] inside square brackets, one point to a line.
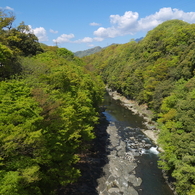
[159, 71]
[47, 117]
[147, 71]
[177, 135]
[6, 20]
[5, 53]
[23, 41]
[15, 42]
[47, 113]
[64, 53]
[20, 137]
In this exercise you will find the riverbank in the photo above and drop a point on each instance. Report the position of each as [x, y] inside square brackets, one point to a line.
[151, 130]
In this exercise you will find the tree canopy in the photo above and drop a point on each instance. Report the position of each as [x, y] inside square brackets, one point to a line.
[159, 71]
[15, 42]
[48, 110]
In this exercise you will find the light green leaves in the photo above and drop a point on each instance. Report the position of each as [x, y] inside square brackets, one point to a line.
[46, 118]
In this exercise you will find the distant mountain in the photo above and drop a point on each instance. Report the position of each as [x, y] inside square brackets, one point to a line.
[96, 49]
[139, 39]
[87, 52]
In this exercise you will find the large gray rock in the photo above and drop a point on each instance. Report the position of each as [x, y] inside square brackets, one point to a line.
[136, 181]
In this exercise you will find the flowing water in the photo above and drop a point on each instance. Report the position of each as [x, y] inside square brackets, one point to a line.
[146, 158]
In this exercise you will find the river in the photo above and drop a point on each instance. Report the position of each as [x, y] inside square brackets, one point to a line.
[128, 127]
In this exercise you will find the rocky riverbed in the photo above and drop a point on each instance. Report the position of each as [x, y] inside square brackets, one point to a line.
[119, 174]
[142, 110]
[151, 131]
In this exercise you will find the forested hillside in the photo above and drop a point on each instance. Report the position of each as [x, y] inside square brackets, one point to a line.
[159, 71]
[87, 52]
[48, 109]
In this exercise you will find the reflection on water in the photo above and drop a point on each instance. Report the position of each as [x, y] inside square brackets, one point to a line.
[153, 182]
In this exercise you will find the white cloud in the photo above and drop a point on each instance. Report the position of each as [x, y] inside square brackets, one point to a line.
[164, 14]
[84, 40]
[9, 8]
[89, 40]
[128, 19]
[121, 25]
[64, 38]
[94, 24]
[53, 31]
[40, 33]
[98, 39]
[110, 32]
[130, 23]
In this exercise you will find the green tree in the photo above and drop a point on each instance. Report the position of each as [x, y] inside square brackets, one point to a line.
[14, 42]
[22, 40]
[20, 140]
[46, 126]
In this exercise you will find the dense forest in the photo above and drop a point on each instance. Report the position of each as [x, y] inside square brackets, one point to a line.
[159, 71]
[48, 109]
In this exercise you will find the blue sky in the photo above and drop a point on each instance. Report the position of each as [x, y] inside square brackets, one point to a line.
[83, 24]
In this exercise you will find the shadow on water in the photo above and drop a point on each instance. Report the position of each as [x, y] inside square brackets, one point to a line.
[91, 165]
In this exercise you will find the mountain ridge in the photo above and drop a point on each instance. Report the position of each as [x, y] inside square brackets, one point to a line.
[96, 49]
